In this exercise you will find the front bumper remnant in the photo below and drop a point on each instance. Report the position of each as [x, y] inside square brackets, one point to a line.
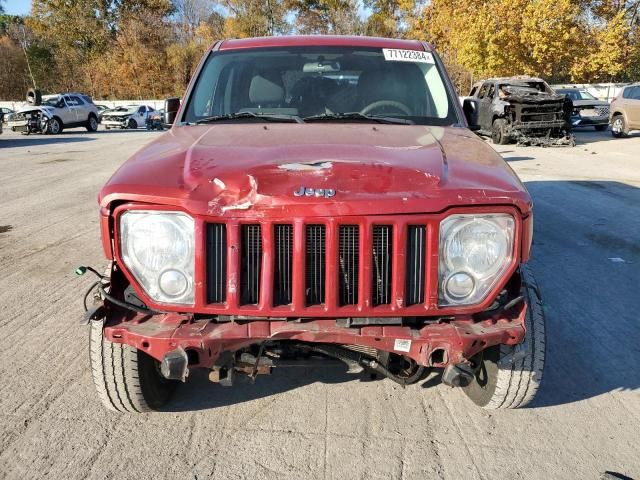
[443, 342]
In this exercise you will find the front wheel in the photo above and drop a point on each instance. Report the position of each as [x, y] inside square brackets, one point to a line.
[54, 126]
[502, 381]
[132, 124]
[498, 132]
[127, 379]
[618, 126]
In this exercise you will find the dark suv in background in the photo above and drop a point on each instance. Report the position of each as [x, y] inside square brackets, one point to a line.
[587, 110]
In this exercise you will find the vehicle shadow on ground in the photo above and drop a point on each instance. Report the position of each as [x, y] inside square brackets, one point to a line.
[35, 140]
[201, 394]
[588, 136]
[111, 131]
[517, 158]
[586, 258]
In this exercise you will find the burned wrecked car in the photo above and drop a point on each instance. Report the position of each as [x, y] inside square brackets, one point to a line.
[317, 199]
[521, 109]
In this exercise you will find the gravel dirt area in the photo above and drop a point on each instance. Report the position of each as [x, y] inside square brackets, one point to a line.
[321, 423]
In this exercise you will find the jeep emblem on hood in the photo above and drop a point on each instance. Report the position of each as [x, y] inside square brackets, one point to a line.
[314, 192]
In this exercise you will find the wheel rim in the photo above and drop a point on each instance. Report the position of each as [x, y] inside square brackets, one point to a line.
[617, 125]
[54, 127]
[93, 123]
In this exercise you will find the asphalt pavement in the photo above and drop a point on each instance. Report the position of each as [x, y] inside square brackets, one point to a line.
[321, 423]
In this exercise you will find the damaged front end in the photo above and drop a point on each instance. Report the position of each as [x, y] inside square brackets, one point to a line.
[236, 348]
[29, 121]
[116, 121]
[541, 119]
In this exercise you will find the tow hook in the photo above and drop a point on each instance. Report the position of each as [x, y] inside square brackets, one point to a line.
[174, 365]
[459, 375]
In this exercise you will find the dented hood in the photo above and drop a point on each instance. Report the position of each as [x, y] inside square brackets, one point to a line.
[254, 169]
[47, 110]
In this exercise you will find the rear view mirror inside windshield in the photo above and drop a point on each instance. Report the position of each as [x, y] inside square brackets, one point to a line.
[321, 67]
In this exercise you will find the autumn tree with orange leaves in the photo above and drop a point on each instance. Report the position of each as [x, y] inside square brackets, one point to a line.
[150, 48]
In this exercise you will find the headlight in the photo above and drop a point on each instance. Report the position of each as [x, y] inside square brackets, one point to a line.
[475, 251]
[158, 249]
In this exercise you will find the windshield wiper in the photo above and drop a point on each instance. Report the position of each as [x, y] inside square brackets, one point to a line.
[328, 117]
[251, 115]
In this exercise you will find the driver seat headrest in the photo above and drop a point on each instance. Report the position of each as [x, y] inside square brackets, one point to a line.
[267, 88]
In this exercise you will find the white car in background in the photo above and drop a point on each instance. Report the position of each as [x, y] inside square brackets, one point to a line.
[129, 116]
[53, 113]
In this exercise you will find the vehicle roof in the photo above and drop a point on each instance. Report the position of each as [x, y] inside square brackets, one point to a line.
[519, 78]
[321, 40]
[54, 95]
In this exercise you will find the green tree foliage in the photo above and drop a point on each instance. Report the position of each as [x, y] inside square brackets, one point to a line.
[333, 17]
[255, 18]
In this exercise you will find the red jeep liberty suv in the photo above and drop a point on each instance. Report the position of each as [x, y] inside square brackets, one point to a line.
[317, 199]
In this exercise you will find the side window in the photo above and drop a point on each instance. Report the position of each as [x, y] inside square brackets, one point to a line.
[627, 92]
[473, 91]
[76, 101]
[66, 101]
[483, 91]
[492, 91]
[141, 109]
[635, 93]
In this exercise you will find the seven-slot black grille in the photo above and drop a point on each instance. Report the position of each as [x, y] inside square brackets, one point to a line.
[250, 264]
[283, 264]
[315, 264]
[348, 264]
[416, 241]
[315, 240]
[381, 268]
[216, 262]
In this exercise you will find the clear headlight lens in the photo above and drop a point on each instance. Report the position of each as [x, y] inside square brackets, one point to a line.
[158, 249]
[475, 250]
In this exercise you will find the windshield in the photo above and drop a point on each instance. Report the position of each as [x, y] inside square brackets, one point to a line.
[51, 101]
[587, 96]
[318, 81]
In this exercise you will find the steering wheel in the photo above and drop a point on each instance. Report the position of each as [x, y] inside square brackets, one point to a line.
[401, 107]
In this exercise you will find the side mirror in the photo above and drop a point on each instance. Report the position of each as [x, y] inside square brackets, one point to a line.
[171, 107]
[470, 107]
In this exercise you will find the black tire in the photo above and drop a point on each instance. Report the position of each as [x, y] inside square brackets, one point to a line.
[132, 124]
[126, 379]
[498, 135]
[601, 128]
[34, 97]
[54, 126]
[619, 126]
[92, 123]
[500, 383]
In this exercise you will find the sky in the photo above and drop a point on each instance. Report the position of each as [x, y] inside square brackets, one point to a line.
[22, 7]
[17, 7]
